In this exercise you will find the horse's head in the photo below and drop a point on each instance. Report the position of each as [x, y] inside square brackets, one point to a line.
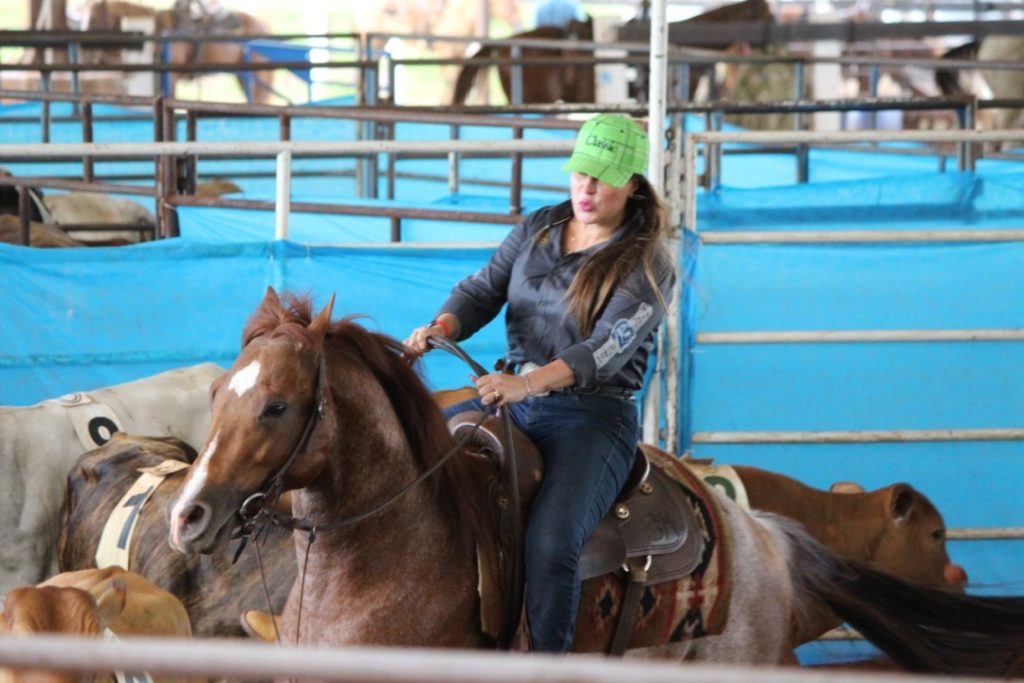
[95, 17]
[270, 421]
[580, 30]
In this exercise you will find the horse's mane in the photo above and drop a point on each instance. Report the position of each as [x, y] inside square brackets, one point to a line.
[422, 421]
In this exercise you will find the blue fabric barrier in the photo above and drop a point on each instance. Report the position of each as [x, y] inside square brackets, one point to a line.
[78, 319]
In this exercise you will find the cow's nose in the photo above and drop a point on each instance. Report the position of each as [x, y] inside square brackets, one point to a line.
[955, 575]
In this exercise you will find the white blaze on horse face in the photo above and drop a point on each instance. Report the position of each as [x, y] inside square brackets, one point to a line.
[195, 483]
[245, 379]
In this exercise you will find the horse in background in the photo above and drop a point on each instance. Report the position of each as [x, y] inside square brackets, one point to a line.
[541, 83]
[107, 15]
[1002, 83]
[748, 10]
[334, 413]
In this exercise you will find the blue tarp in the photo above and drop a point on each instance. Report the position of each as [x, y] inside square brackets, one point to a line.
[78, 319]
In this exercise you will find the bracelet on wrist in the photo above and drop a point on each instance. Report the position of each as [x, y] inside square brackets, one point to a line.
[445, 330]
[526, 383]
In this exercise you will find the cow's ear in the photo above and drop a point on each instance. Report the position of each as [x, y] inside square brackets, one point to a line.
[111, 601]
[901, 501]
[846, 487]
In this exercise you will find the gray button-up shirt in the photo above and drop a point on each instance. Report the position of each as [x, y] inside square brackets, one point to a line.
[531, 274]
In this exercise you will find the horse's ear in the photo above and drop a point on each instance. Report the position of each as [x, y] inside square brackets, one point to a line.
[322, 321]
[901, 501]
[271, 299]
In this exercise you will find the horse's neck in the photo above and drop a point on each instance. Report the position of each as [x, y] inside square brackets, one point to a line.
[375, 470]
[364, 584]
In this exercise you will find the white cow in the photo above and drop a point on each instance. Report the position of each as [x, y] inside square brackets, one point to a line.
[75, 208]
[78, 208]
[40, 443]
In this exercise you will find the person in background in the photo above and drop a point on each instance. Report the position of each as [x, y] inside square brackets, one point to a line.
[559, 12]
[586, 283]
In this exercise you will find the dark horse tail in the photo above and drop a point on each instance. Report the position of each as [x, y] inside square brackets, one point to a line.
[923, 629]
[948, 80]
[464, 83]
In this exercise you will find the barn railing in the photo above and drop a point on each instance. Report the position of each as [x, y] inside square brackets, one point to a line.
[237, 659]
[706, 142]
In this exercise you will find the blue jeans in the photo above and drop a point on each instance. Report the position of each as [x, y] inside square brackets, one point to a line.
[588, 443]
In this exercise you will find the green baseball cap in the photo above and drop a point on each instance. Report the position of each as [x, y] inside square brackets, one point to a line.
[611, 148]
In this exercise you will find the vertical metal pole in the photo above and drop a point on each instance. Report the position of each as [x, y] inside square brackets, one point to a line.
[24, 203]
[373, 166]
[165, 78]
[392, 163]
[44, 121]
[802, 159]
[159, 136]
[873, 76]
[683, 86]
[517, 74]
[966, 152]
[73, 57]
[658, 90]
[713, 154]
[674, 316]
[516, 195]
[689, 183]
[365, 176]
[657, 95]
[283, 201]
[453, 162]
[88, 167]
[284, 127]
[392, 72]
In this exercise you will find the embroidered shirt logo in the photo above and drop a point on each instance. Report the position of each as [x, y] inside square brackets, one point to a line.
[623, 334]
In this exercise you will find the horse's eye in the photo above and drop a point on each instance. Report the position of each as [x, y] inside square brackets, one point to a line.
[275, 409]
[939, 534]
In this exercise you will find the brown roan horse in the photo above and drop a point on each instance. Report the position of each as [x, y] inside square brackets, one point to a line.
[333, 412]
[895, 528]
[106, 15]
[746, 11]
[541, 83]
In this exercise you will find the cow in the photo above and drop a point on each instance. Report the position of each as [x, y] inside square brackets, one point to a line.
[110, 497]
[40, 443]
[216, 593]
[110, 602]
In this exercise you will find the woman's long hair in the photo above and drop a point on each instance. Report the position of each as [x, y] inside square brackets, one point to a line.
[600, 275]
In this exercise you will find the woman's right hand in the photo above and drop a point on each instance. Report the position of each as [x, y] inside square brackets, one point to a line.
[416, 344]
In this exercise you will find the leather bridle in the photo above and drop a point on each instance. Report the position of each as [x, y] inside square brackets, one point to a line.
[260, 505]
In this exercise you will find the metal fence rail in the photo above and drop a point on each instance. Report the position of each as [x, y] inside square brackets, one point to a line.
[235, 659]
[696, 142]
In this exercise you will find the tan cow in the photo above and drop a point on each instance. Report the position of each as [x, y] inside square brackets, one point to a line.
[109, 602]
[40, 234]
